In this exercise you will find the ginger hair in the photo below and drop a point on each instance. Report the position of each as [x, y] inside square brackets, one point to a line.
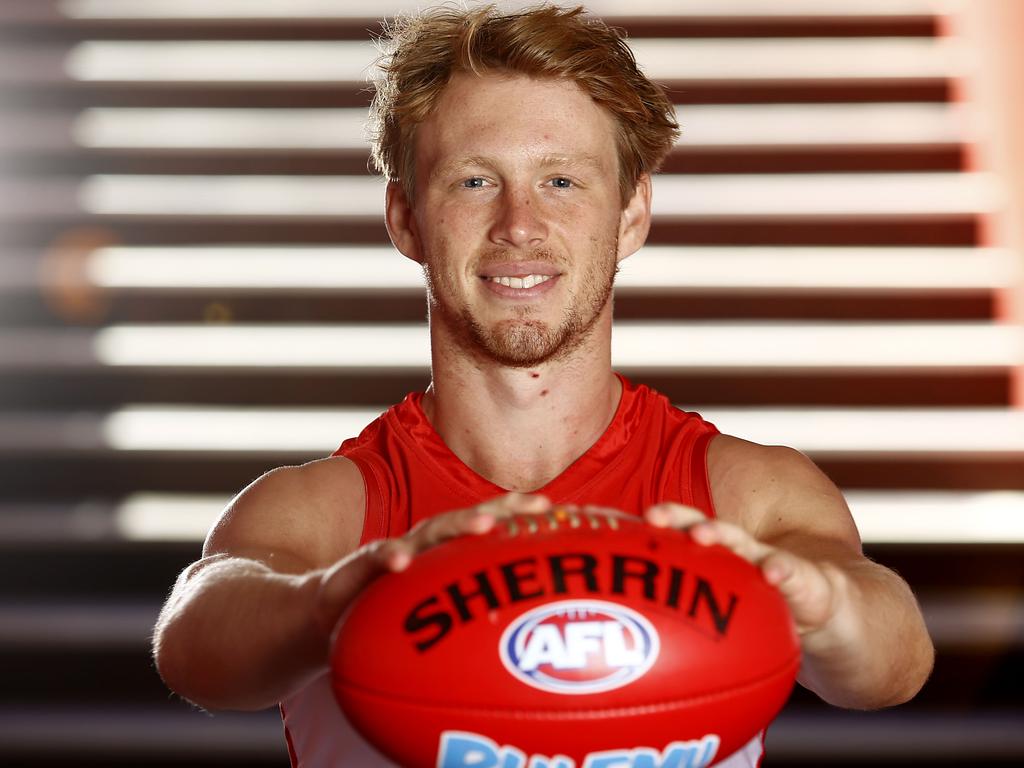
[421, 52]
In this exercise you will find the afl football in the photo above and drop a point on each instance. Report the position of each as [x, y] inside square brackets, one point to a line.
[566, 641]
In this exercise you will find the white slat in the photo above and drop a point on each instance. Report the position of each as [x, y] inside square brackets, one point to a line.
[332, 9]
[656, 268]
[969, 433]
[877, 433]
[660, 268]
[715, 59]
[850, 58]
[883, 517]
[703, 126]
[675, 195]
[636, 346]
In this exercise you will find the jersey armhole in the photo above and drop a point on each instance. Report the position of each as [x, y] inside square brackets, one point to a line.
[699, 481]
[376, 522]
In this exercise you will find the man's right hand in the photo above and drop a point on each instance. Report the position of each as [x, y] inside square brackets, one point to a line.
[340, 584]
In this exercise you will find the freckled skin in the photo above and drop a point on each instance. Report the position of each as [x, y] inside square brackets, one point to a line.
[478, 202]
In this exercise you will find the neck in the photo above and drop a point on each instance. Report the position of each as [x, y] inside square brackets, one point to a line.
[522, 427]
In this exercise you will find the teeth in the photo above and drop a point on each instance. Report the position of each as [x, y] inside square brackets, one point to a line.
[522, 282]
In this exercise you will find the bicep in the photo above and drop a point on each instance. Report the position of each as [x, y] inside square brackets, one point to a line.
[782, 498]
[292, 519]
[809, 512]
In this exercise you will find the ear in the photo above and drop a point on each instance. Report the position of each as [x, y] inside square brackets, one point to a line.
[635, 219]
[401, 224]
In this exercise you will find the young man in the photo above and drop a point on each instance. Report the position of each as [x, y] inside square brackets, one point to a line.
[518, 151]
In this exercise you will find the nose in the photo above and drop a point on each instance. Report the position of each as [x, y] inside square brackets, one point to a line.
[518, 222]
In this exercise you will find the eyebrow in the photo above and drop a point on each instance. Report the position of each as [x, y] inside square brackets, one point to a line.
[583, 159]
[453, 166]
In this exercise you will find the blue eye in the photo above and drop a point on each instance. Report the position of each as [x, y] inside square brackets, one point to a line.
[561, 182]
[474, 182]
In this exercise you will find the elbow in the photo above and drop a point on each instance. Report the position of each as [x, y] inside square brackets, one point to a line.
[885, 685]
[197, 675]
[180, 668]
[914, 666]
[167, 658]
[172, 664]
[906, 680]
[917, 673]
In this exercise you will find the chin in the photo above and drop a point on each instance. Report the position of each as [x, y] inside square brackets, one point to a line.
[527, 344]
[521, 344]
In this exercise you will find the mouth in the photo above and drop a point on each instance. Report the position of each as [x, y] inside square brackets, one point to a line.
[519, 279]
[521, 275]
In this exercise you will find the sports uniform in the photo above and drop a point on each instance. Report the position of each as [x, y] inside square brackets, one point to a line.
[650, 452]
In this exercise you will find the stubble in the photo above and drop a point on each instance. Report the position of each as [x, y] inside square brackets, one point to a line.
[525, 341]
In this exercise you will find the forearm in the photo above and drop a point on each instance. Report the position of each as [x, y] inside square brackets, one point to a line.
[875, 650]
[238, 635]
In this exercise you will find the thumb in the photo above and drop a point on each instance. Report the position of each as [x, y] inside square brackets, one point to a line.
[342, 583]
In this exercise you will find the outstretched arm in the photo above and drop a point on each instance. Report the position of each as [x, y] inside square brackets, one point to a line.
[864, 641]
[237, 634]
[243, 626]
[252, 621]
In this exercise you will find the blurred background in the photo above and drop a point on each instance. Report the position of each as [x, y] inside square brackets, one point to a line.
[196, 286]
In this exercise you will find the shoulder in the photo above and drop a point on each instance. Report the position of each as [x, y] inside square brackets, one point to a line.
[774, 491]
[294, 518]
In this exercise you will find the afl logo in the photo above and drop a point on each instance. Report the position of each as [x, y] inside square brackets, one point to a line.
[579, 646]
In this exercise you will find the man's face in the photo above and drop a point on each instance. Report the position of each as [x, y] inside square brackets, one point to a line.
[517, 214]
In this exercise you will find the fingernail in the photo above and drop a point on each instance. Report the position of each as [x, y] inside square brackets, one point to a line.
[702, 533]
[657, 515]
[482, 523]
[399, 561]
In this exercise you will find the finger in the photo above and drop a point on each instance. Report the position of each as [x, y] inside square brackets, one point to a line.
[396, 554]
[594, 509]
[518, 504]
[731, 537]
[340, 584]
[779, 569]
[473, 520]
[441, 528]
[671, 515]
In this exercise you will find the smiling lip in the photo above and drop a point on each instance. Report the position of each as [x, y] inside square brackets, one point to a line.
[518, 288]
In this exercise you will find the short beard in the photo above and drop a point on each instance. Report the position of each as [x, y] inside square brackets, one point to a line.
[525, 343]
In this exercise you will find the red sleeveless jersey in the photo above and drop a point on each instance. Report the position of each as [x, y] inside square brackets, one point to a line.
[650, 452]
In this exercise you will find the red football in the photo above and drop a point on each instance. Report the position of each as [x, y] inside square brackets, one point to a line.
[568, 641]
